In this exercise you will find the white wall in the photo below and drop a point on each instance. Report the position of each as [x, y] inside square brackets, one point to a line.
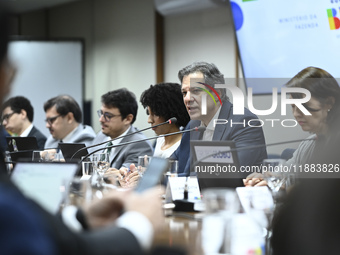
[119, 44]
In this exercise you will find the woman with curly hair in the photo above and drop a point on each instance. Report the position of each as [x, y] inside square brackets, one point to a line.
[162, 102]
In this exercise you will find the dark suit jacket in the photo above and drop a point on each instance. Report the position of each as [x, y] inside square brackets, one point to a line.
[242, 136]
[28, 229]
[41, 138]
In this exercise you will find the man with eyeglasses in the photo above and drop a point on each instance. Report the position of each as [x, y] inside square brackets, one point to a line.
[63, 119]
[116, 116]
[17, 118]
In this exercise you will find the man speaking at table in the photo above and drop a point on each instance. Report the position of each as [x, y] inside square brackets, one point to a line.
[196, 79]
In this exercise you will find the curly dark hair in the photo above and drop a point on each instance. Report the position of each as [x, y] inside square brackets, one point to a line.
[165, 100]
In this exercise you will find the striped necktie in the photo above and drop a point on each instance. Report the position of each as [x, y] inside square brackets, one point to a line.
[108, 150]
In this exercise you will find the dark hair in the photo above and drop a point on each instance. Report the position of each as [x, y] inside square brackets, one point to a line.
[210, 72]
[4, 31]
[65, 104]
[321, 85]
[166, 101]
[122, 99]
[20, 103]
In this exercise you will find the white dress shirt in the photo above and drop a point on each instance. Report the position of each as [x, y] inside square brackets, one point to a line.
[209, 131]
[27, 131]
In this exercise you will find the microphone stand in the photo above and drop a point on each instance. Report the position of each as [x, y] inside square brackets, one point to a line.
[173, 120]
[142, 140]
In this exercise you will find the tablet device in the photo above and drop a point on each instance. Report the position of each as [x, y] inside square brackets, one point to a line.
[43, 182]
[17, 143]
[215, 163]
[69, 149]
[153, 174]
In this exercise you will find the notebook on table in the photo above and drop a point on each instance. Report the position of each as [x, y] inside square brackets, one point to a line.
[43, 182]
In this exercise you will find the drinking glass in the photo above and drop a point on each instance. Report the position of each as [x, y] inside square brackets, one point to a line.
[87, 168]
[37, 156]
[272, 171]
[101, 163]
[220, 205]
[78, 192]
[143, 162]
[173, 168]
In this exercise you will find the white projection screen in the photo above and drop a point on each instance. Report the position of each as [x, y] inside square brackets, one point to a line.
[279, 38]
[47, 69]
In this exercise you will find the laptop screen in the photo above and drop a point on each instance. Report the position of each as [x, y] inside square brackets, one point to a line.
[73, 150]
[17, 143]
[43, 182]
[215, 163]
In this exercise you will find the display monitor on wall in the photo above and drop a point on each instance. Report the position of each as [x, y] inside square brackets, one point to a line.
[279, 38]
[46, 69]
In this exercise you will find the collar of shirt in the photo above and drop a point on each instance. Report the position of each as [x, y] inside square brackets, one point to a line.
[120, 138]
[209, 131]
[27, 131]
[68, 138]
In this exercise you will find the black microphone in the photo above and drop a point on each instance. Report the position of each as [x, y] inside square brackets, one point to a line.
[200, 129]
[170, 121]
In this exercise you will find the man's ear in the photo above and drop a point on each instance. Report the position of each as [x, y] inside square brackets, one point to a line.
[128, 119]
[70, 117]
[23, 113]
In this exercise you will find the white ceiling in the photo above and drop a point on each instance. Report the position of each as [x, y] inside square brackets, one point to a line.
[22, 6]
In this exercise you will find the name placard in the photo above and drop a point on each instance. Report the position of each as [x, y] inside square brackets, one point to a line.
[218, 154]
[258, 198]
[177, 185]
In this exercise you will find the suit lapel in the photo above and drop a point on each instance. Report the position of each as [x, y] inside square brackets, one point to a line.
[31, 133]
[117, 150]
[194, 135]
[224, 114]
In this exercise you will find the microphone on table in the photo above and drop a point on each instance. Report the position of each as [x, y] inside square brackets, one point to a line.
[199, 129]
[170, 121]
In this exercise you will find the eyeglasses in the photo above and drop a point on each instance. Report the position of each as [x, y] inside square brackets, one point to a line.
[107, 116]
[51, 120]
[7, 116]
[195, 91]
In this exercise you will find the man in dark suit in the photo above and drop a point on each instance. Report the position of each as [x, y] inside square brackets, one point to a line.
[26, 228]
[17, 118]
[116, 116]
[196, 79]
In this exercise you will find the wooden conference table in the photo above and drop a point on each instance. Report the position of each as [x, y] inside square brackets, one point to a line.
[182, 231]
